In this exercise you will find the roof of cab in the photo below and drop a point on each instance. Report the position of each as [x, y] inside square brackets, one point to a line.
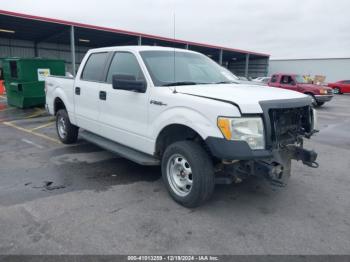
[137, 48]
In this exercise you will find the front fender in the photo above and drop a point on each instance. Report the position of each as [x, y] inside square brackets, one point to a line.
[188, 117]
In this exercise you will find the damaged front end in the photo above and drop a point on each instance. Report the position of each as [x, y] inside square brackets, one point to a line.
[287, 123]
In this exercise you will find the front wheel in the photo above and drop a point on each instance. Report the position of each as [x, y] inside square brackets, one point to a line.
[66, 131]
[188, 173]
[313, 100]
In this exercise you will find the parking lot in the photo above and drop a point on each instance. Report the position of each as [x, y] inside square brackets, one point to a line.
[80, 199]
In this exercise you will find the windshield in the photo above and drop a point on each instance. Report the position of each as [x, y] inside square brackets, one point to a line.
[184, 68]
[300, 79]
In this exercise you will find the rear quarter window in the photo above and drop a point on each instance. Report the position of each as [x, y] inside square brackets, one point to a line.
[94, 67]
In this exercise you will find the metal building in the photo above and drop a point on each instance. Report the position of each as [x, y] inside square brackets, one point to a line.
[334, 69]
[24, 35]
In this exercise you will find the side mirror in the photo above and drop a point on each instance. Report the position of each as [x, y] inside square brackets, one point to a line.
[128, 82]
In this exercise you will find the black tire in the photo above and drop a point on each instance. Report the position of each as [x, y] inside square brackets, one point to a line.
[203, 180]
[314, 102]
[320, 103]
[71, 131]
[337, 91]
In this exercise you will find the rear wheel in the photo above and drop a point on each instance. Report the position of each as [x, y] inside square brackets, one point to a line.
[188, 173]
[337, 91]
[67, 132]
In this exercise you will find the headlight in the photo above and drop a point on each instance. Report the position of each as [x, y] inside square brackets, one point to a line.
[323, 92]
[249, 129]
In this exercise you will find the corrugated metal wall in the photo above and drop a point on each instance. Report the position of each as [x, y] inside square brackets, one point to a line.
[22, 49]
[19, 48]
[334, 69]
[257, 67]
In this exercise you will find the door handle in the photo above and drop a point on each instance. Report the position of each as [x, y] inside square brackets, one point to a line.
[103, 95]
[77, 90]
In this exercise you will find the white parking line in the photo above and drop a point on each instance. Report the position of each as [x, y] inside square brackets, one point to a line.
[32, 132]
[43, 126]
[32, 143]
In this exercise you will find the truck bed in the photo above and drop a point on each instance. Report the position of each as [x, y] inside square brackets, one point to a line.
[59, 85]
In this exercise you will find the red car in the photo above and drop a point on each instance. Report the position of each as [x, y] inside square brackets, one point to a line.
[340, 87]
[319, 94]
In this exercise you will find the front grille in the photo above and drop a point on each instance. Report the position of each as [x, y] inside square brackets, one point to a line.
[287, 124]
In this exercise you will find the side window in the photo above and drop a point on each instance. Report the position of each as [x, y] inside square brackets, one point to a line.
[286, 80]
[124, 63]
[347, 82]
[274, 79]
[94, 67]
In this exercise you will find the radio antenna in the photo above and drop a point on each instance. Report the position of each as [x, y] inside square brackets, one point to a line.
[174, 32]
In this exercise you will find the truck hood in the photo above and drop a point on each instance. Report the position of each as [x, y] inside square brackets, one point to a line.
[247, 97]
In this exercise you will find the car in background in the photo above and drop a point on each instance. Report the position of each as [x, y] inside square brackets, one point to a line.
[340, 87]
[262, 80]
[319, 94]
[239, 79]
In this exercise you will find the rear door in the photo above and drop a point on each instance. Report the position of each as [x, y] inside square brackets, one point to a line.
[123, 113]
[86, 91]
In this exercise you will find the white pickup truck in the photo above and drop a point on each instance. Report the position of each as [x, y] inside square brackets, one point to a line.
[181, 110]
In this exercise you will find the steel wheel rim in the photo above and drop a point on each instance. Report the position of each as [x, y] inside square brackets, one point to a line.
[179, 174]
[61, 127]
[336, 91]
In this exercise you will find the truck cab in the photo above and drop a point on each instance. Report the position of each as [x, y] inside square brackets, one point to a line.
[319, 94]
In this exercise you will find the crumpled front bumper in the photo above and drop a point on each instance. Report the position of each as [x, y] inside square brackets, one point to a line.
[275, 167]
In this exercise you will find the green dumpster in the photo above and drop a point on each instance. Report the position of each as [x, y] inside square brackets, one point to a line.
[25, 79]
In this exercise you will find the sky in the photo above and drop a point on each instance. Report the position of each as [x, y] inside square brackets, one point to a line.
[281, 28]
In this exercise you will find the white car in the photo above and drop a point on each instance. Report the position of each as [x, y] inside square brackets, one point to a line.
[179, 109]
[262, 80]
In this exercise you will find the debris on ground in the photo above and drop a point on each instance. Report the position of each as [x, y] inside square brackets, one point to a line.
[48, 185]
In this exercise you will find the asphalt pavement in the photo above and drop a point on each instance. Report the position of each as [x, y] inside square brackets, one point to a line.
[80, 199]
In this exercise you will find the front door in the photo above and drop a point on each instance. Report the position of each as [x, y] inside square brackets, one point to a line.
[287, 82]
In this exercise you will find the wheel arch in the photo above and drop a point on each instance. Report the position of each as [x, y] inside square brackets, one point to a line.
[308, 93]
[176, 132]
[58, 104]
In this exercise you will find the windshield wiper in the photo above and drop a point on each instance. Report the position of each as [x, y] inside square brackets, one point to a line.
[183, 83]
